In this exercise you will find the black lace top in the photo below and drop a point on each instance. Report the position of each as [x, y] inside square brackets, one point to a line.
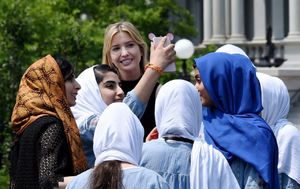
[147, 120]
[40, 157]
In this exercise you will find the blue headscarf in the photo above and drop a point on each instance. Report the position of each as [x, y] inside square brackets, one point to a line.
[233, 125]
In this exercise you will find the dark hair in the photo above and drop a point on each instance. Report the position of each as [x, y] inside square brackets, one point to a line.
[102, 69]
[66, 67]
[194, 65]
[107, 175]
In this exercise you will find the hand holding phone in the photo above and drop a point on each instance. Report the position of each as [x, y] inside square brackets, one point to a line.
[171, 67]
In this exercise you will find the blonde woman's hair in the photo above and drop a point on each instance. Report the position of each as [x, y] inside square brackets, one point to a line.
[132, 31]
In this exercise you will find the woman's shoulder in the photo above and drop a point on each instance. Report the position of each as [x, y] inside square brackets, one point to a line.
[41, 124]
[140, 172]
[143, 177]
[81, 181]
[47, 120]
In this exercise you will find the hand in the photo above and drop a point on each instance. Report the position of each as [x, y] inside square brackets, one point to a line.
[162, 56]
[152, 135]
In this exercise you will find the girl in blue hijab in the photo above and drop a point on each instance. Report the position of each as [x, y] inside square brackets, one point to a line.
[231, 99]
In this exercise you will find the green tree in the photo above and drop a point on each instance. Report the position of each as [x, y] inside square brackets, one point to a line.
[30, 29]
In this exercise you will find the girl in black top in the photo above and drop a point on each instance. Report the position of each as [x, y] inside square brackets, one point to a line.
[126, 51]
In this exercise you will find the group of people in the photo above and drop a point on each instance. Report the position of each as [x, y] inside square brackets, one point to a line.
[115, 126]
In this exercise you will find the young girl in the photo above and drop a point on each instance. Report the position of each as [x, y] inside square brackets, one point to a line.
[231, 99]
[178, 115]
[101, 86]
[276, 103]
[118, 142]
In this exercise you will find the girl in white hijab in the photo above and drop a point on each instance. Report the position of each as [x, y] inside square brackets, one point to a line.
[100, 87]
[276, 104]
[117, 146]
[178, 117]
[231, 49]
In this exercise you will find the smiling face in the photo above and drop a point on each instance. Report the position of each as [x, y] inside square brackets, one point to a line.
[72, 87]
[126, 56]
[205, 98]
[110, 88]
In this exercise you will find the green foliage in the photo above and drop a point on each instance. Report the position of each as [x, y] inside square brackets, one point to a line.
[4, 147]
[31, 29]
[4, 179]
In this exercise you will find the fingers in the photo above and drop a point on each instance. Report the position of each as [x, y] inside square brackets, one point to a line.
[172, 52]
[172, 56]
[170, 47]
[162, 42]
[168, 50]
[162, 56]
[152, 47]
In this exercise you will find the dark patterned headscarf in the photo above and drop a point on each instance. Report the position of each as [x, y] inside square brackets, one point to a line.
[42, 93]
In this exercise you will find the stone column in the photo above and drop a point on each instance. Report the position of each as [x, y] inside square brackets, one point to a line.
[294, 23]
[227, 18]
[218, 35]
[259, 33]
[207, 21]
[237, 22]
[278, 19]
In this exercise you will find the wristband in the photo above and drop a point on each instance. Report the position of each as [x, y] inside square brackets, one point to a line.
[154, 67]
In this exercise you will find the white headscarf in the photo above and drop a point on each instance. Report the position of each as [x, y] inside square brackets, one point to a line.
[118, 135]
[231, 49]
[178, 110]
[209, 168]
[88, 101]
[276, 104]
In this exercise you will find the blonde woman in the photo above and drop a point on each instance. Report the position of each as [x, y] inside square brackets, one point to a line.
[126, 51]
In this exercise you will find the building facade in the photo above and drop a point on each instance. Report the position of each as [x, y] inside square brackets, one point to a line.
[268, 31]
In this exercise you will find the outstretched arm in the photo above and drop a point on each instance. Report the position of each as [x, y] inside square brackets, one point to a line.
[160, 58]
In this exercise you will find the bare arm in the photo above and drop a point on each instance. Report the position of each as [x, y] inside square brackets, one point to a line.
[160, 56]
